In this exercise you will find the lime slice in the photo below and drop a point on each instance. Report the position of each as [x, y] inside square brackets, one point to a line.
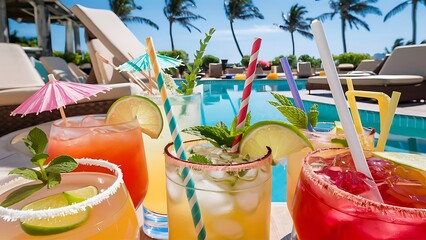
[79, 195]
[283, 138]
[49, 226]
[408, 159]
[145, 110]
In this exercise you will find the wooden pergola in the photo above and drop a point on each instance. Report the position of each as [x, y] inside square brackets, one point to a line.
[42, 13]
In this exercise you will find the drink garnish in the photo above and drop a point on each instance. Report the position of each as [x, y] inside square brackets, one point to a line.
[294, 115]
[50, 176]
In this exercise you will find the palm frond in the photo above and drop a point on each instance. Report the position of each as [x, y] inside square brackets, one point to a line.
[396, 10]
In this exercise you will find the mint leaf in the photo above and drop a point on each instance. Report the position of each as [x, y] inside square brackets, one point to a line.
[295, 116]
[27, 173]
[39, 159]
[53, 179]
[313, 115]
[234, 131]
[216, 135]
[197, 158]
[62, 164]
[21, 193]
[283, 100]
[36, 141]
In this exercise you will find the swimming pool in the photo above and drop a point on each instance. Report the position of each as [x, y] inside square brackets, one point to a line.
[221, 100]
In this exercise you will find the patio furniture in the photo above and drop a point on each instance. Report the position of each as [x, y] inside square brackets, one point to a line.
[19, 80]
[60, 69]
[404, 71]
[304, 69]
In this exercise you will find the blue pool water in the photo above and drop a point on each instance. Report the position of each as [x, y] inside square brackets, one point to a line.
[221, 100]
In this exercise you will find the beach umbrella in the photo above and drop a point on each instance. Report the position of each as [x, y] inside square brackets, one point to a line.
[56, 95]
[142, 63]
[264, 63]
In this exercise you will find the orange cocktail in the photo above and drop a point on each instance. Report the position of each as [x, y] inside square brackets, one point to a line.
[110, 213]
[121, 144]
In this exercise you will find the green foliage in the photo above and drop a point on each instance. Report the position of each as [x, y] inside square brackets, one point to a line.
[277, 60]
[77, 58]
[315, 62]
[197, 158]
[354, 58]
[179, 54]
[245, 60]
[23, 41]
[292, 60]
[191, 77]
[207, 59]
[36, 142]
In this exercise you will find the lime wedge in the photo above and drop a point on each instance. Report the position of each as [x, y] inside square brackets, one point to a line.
[283, 138]
[408, 159]
[143, 109]
[49, 226]
[338, 129]
[79, 195]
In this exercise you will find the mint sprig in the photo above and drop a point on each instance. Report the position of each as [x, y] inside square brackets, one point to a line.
[188, 86]
[294, 115]
[197, 158]
[50, 176]
[219, 135]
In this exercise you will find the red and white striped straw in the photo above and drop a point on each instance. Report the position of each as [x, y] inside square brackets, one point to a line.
[250, 74]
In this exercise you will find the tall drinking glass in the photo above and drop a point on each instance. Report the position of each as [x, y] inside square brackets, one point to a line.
[332, 202]
[111, 214]
[234, 199]
[187, 111]
[91, 137]
[325, 136]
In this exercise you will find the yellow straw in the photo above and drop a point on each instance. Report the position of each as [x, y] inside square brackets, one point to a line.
[385, 128]
[350, 94]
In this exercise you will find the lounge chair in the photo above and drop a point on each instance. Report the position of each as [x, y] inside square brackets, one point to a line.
[78, 72]
[404, 71]
[19, 80]
[60, 69]
[215, 70]
[106, 26]
[304, 70]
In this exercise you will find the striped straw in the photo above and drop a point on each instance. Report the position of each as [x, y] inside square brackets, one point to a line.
[178, 143]
[250, 74]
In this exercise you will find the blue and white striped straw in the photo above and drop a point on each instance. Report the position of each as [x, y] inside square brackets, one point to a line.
[178, 143]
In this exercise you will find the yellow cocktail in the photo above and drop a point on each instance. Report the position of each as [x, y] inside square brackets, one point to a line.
[187, 110]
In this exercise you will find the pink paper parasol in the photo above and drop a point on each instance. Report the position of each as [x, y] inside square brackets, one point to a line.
[56, 95]
[264, 63]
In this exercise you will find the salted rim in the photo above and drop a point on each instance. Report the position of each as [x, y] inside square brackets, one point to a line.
[219, 167]
[14, 214]
[359, 201]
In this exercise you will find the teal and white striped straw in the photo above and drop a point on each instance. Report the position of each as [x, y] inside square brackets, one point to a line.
[178, 143]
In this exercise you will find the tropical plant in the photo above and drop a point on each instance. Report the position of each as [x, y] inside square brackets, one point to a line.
[178, 11]
[292, 60]
[240, 9]
[398, 42]
[22, 41]
[207, 59]
[402, 6]
[295, 22]
[315, 62]
[277, 60]
[123, 8]
[245, 60]
[179, 54]
[348, 9]
[354, 58]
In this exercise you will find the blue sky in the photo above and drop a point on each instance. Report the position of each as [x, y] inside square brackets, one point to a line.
[274, 41]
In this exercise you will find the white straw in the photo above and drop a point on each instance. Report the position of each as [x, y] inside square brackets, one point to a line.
[341, 104]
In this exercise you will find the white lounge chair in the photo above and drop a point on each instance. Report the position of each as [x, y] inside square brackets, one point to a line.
[403, 71]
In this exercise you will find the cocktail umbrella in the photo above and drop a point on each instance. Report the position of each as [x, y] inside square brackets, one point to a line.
[142, 63]
[56, 95]
[264, 63]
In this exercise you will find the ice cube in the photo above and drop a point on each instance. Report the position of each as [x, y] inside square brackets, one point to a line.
[91, 121]
[174, 188]
[249, 199]
[228, 229]
[213, 198]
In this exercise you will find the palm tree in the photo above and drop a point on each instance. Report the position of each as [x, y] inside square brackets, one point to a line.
[178, 11]
[240, 9]
[401, 7]
[123, 8]
[295, 22]
[348, 9]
